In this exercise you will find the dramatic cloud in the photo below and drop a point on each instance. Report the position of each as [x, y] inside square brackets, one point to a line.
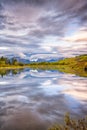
[79, 36]
[43, 26]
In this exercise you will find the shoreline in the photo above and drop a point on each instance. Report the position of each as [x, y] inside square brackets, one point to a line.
[74, 65]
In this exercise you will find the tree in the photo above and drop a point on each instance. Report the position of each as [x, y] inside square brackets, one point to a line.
[14, 61]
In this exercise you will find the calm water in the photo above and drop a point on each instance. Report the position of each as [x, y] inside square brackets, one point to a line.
[36, 99]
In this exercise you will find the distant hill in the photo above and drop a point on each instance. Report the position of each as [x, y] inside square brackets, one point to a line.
[74, 65]
[36, 57]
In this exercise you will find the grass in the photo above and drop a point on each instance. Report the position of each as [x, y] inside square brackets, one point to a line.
[75, 65]
[71, 124]
[13, 67]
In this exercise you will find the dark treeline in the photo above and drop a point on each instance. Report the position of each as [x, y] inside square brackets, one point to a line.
[4, 61]
[74, 65]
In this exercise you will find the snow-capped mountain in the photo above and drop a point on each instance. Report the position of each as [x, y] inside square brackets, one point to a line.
[36, 57]
[44, 57]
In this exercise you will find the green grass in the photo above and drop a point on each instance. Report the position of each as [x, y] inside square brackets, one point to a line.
[13, 67]
[71, 124]
[74, 65]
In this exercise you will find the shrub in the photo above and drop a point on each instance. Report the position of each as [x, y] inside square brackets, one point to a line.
[71, 124]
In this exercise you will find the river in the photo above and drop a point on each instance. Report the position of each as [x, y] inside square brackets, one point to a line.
[36, 99]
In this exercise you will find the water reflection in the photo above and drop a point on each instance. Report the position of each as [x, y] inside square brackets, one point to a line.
[4, 72]
[38, 98]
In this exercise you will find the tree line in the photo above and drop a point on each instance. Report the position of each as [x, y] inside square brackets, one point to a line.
[6, 61]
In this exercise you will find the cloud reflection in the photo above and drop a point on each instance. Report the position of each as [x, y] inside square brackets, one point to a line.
[42, 95]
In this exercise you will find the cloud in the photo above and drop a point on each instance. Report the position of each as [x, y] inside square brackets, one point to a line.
[26, 24]
[79, 36]
[4, 48]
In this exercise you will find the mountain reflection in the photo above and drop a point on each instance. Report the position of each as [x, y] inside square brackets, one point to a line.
[38, 98]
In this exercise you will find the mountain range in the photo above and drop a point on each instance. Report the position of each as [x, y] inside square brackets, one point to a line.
[36, 58]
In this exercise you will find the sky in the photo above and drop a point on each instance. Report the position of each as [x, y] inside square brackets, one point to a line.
[43, 28]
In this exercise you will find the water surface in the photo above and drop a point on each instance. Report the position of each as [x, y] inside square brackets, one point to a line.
[36, 99]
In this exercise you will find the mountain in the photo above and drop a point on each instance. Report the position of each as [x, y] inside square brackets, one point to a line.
[45, 60]
[23, 60]
[44, 57]
[36, 58]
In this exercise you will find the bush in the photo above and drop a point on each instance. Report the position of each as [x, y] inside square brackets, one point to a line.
[71, 124]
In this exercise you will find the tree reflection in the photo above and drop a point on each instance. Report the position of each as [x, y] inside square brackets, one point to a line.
[5, 72]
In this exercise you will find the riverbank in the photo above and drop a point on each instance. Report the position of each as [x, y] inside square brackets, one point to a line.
[14, 67]
[71, 124]
[75, 65]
